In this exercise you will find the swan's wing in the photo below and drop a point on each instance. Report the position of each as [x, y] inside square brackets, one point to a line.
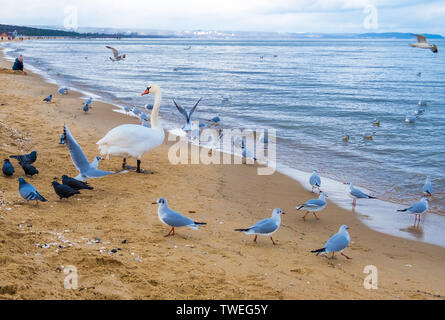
[182, 111]
[77, 155]
[115, 52]
[193, 109]
[125, 135]
[420, 38]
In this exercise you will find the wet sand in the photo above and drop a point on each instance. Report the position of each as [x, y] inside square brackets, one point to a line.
[212, 263]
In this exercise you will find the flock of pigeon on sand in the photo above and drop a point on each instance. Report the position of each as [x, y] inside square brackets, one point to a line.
[112, 145]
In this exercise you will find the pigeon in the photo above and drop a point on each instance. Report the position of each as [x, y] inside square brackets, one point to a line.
[26, 158]
[148, 107]
[89, 101]
[136, 110]
[116, 55]
[127, 109]
[86, 170]
[62, 139]
[337, 242]
[48, 98]
[315, 180]
[428, 187]
[314, 205]
[86, 107]
[75, 184]
[144, 116]
[174, 219]
[8, 168]
[64, 191]
[188, 116]
[28, 192]
[265, 227]
[29, 169]
[417, 208]
[215, 119]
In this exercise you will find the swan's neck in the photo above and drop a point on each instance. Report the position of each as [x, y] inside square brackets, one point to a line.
[155, 112]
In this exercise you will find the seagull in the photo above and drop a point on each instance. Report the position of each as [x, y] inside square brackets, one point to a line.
[247, 154]
[410, 119]
[174, 219]
[315, 181]
[421, 103]
[265, 227]
[64, 191]
[337, 242]
[428, 187]
[8, 168]
[116, 55]
[419, 111]
[48, 98]
[314, 205]
[215, 119]
[417, 208]
[357, 194]
[26, 158]
[423, 44]
[148, 107]
[136, 110]
[75, 184]
[145, 124]
[345, 138]
[28, 192]
[188, 116]
[376, 122]
[63, 91]
[144, 116]
[368, 135]
[86, 170]
[127, 109]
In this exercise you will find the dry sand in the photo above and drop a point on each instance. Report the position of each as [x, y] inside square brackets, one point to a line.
[212, 263]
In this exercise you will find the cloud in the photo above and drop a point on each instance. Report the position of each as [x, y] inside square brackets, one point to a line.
[247, 15]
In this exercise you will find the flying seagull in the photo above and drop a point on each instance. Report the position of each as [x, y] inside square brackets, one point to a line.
[188, 116]
[116, 55]
[174, 219]
[423, 44]
[337, 242]
[265, 227]
[86, 170]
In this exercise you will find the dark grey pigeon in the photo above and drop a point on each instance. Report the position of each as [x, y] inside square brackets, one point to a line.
[48, 98]
[29, 169]
[26, 158]
[28, 192]
[63, 191]
[75, 184]
[8, 168]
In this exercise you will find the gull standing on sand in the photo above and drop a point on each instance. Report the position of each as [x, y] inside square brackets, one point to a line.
[337, 242]
[174, 219]
[116, 55]
[428, 187]
[315, 181]
[86, 170]
[357, 194]
[28, 192]
[417, 208]
[265, 227]
[314, 205]
[423, 44]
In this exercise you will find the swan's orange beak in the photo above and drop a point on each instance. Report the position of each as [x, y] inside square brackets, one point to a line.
[147, 91]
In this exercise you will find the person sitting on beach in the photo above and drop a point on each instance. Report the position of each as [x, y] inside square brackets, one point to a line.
[18, 64]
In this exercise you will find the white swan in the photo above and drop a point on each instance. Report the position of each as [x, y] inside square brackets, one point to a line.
[422, 43]
[132, 140]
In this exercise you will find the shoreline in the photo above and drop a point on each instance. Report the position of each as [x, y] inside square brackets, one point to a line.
[213, 262]
[380, 214]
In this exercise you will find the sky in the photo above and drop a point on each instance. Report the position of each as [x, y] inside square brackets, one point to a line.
[319, 16]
